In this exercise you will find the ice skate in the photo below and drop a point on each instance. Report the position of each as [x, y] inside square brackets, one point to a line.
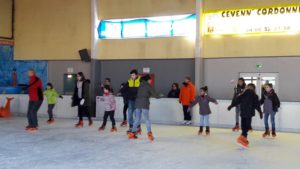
[200, 130]
[124, 123]
[266, 134]
[236, 128]
[90, 123]
[184, 122]
[150, 136]
[113, 129]
[132, 136]
[274, 134]
[50, 121]
[207, 131]
[33, 129]
[79, 124]
[251, 129]
[243, 142]
[102, 128]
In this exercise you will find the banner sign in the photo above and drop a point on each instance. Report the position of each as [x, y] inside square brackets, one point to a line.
[284, 19]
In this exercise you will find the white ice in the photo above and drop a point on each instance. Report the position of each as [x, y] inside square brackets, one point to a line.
[61, 146]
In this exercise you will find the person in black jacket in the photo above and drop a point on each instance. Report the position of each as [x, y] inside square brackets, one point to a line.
[271, 104]
[81, 98]
[238, 89]
[174, 92]
[248, 102]
[124, 94]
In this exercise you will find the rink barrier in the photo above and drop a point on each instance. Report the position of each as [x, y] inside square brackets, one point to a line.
[166, 111]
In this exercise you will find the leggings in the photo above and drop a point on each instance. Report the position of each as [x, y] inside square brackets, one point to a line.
[111, 115]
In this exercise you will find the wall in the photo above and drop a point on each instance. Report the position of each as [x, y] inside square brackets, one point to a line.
[52, 29]
[57, 69]
[5, 18]
[219, 72]
[166, 71]
[249, 46]
[165, 48]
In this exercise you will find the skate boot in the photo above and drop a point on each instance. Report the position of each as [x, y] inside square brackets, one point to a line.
[236, 128]
[124, 123]
[50, 121]
[90, 122]
[273, 133]
[150, 136]
[266, 134]
[200, 130]
[243, 142]
[132, 136]
[102, 128]
[113, 129]
[27, 128]
[207, 131]
[33, 129]
[79, 124]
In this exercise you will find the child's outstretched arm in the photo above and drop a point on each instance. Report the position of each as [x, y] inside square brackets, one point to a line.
[213, 100]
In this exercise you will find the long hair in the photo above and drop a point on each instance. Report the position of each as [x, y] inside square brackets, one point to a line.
[82, 76]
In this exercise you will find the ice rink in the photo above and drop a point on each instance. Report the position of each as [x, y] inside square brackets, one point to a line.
[61, 146]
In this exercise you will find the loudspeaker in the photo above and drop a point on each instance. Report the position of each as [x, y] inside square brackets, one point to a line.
[84, 55]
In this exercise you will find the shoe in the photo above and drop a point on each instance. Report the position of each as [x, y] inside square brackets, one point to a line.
[124, 123]
[189, 123]
[79, 124]
[207, 131]
[200, 130]
[50, 121]
[27, 128]
[150, 136]
[102, 128]
[90, 123]
[243, 142]
[184, 122]
[113, 129]
[132, 135]
[274, 133]
[266, 134]
[33, 129]
[236, 128]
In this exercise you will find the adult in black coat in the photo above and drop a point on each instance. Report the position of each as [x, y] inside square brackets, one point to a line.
[175, 91]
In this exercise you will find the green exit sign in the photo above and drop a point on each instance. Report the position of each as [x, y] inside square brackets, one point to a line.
[259, 66]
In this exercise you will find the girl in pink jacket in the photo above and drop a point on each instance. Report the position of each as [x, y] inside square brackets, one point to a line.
[109, 106]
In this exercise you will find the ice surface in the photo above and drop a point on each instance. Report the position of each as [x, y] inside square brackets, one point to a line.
[61, 146]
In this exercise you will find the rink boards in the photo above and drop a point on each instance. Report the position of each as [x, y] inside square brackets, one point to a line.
[166, 111]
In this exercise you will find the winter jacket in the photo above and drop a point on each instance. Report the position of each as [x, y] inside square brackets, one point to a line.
[131, 88]
[35, 89]
[187, 94]
[51, 95]
[174, 93]
[248, 102]
[143, 96]
[109, 102]
[237, 91]
[273, 97]
[203, 102]
[85, 94]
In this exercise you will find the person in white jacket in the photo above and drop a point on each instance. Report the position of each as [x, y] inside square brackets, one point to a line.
[109, 106]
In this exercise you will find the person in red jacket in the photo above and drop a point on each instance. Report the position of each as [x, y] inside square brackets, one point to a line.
[186, 97]
[36, 97]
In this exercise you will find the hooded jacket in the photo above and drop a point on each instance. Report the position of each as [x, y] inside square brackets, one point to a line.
[35, 89]
[143, 96]
[273, 97]
[187, 94]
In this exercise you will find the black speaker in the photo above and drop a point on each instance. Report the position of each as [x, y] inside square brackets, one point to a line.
[84, 55]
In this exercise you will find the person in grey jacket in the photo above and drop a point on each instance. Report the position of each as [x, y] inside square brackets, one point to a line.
[142, 105]
[203, 100]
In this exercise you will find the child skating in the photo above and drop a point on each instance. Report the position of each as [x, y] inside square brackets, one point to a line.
[248, 102]
[109, 106]
[271, 104]
[51, 95]
[142, 104]
[203, 100]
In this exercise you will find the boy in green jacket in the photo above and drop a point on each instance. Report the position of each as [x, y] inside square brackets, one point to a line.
[51, 95]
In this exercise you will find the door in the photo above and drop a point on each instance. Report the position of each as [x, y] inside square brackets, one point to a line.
[260, 79]
[69, 83]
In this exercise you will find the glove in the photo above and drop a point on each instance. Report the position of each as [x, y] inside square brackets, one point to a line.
[61, 97]
[82, 102]
[229, 108]
[261, 115]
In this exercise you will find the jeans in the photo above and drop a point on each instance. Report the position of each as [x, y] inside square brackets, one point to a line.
[237, 114]
[186, 113]
[246, 125]
[111, 115]
[138, 119]
[50, 110]
[131, 107]
[266, 119]
[204, 120]
[33, 108]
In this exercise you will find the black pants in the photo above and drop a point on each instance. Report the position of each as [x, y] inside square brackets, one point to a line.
[33, 108]
[83, 111]
[50, 110]
[125, 111]
[186, 113]
[246, 125]
[111, 114]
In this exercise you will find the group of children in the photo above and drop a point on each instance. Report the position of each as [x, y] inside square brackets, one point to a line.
[137, 91]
